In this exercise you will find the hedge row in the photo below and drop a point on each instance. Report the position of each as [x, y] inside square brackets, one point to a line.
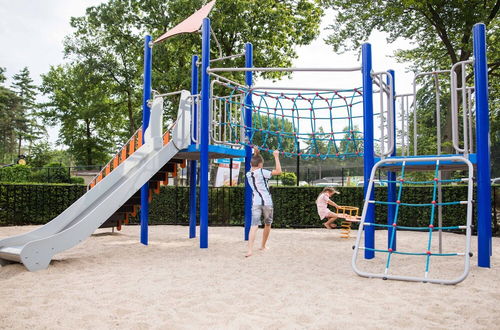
[54, 173]
[293, 206]
[33, 204]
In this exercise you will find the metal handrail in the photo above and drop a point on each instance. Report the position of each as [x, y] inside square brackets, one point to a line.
[385, 88]
[454, 107]
[222, 138]
[438, 107]
[155, 95]
[112, 158]
[357, 68]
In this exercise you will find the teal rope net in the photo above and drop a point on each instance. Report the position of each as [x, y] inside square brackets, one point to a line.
[430, 228]
[307, 124]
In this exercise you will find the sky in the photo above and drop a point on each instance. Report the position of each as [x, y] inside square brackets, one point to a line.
[32, 34]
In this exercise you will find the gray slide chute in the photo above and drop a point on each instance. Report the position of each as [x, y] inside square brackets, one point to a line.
[36, 248]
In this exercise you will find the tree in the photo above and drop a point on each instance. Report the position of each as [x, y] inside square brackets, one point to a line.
[11, 121]
[29, 129]
[80, 103]
[441, 31]
[109, 39]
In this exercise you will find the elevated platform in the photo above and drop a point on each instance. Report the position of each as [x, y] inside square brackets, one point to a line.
[214, 151]
[421, 165]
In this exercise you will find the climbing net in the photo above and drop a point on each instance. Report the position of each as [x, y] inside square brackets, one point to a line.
[431, 227]
[319, 124]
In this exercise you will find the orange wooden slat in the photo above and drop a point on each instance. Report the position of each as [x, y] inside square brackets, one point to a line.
[183, 165]
[157, 188]
[107, 170]
[125, 221]
[115, 161]
[99, 178]
[166, 138]
[174, 174]
[139, 138]
[131, 146]
[123, 155]
[150, 197]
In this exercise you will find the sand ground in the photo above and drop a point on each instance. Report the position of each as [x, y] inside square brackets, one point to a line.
[305, 280]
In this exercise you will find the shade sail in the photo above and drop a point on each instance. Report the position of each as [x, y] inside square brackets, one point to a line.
[190, 24]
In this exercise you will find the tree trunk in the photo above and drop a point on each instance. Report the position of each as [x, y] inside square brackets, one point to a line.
[89, 149]
[130, 113]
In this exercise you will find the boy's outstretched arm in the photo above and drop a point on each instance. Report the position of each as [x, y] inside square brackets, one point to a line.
[277, 169]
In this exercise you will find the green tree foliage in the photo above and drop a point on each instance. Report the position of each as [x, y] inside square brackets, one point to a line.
[30, 130]
[288, 178]
[42, 154]
[109, 40]
[269, 138]
[441, 31]
[11, 121]
[80, 101]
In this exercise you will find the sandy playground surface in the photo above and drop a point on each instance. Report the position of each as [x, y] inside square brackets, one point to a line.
[304, 281]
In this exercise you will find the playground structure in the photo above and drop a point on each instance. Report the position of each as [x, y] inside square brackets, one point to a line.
[212, 126]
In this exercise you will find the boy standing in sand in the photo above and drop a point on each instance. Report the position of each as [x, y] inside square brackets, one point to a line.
[262, 203]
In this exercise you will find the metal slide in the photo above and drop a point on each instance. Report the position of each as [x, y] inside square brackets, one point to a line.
[36, 248]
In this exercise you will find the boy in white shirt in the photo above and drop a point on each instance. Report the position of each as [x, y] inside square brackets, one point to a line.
[262, 203]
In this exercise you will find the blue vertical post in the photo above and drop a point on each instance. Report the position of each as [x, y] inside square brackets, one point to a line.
[193, 163]
[248, 150]
[146, 112]
[204, 138]
[368, 157]
[482, 146]
[391, 176]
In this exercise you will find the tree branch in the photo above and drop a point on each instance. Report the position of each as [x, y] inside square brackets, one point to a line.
[437, 22]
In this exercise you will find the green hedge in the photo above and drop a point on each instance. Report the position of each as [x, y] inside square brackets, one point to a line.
[52, 173]
[293, 206]
[33, 204]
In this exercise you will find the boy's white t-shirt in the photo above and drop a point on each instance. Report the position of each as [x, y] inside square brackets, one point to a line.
[258, 180]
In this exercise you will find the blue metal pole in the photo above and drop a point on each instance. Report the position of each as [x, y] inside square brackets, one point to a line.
[482, 146]
[204, 139]
[391, 176]
[368, 157]
[193, 163]
[248, 150]
[146, 112]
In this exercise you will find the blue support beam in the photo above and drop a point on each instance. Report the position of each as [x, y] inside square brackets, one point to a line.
[248, 150]
[368, 148]
[391, 176]
[146, 112]
[482, 146]
[204, 138]
[193, 163]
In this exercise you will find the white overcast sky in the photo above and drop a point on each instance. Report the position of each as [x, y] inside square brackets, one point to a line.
[32, 33]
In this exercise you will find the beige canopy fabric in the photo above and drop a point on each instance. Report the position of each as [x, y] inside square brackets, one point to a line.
[190, 24]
